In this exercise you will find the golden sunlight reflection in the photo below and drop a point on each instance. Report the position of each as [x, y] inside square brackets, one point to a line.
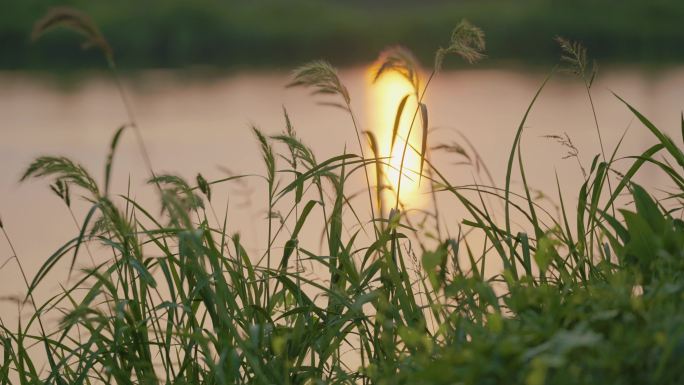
[384, 98]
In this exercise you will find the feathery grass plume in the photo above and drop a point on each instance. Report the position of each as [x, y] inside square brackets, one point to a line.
[574, 55]
[100, 225]
[401, 61]
[76, 21]
[63, 169]
[575, 58]
[321, 76]
[61, 189]
[81, 23]
[269, 160]
[290, 133]
[176, 192]
[572, 151]
[289, 128]
[453, 148]
[267, 154]
[300, 151]
[204, 186]
[467, 41]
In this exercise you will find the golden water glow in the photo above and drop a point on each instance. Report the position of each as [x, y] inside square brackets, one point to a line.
[384, 98]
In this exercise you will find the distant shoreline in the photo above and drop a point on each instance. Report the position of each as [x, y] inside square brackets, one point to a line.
[279, 35]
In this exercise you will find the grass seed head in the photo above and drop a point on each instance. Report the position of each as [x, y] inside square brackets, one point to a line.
[322, 77]
[74, 20]
[402, 61]
[467, 41]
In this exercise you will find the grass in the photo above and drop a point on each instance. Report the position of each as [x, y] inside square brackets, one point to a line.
[594, 294]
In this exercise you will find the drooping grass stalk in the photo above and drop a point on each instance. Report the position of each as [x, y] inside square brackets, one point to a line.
[575, 55]
[83, 24]
[321, 76]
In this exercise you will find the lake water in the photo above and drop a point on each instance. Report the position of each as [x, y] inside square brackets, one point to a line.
[201, 124]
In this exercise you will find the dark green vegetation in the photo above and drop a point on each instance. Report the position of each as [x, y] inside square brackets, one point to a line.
[280, 33]
[592, 297]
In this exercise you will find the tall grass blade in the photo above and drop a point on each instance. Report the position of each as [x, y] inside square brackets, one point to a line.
[379, 171]
[110, 158]
[509, 169]
[397, 121]
[424, 140]
[676, 153]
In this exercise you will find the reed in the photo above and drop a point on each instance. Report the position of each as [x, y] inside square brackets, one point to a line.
[176, 299]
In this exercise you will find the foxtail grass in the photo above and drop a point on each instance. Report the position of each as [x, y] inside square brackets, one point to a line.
[591, 294]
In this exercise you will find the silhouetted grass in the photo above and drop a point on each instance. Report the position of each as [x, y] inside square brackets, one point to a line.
[176, 299]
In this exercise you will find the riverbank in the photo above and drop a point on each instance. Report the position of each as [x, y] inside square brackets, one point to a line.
[277, 35]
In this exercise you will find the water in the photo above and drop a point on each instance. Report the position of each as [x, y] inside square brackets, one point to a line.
[201, 124]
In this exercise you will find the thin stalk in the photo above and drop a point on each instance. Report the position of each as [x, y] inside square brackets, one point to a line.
[268, 245]
[32, 300]
[131, 116]
[365, 170]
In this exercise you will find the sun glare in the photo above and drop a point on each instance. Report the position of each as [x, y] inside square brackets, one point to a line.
[384, 98]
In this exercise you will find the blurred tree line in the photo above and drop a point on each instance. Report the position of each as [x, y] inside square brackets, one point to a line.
[283, 33]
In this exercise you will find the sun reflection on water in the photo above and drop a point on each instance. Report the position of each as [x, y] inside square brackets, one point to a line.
[385, 94]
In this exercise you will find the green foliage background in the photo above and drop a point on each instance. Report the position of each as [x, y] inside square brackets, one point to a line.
[280, 34]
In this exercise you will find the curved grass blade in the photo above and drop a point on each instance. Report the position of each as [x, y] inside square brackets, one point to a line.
[397, 120]
[291, 244]
[379, 171]
[110, 157]
[509, 168]
[662, 137]
[423, 146]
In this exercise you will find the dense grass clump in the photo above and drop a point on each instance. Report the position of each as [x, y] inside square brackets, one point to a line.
[592, 297]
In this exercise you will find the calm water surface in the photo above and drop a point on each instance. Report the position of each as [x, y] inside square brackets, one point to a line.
[193, 124]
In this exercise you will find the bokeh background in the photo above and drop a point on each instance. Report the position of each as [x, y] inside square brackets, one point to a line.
[279, 34]
[199, 73]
